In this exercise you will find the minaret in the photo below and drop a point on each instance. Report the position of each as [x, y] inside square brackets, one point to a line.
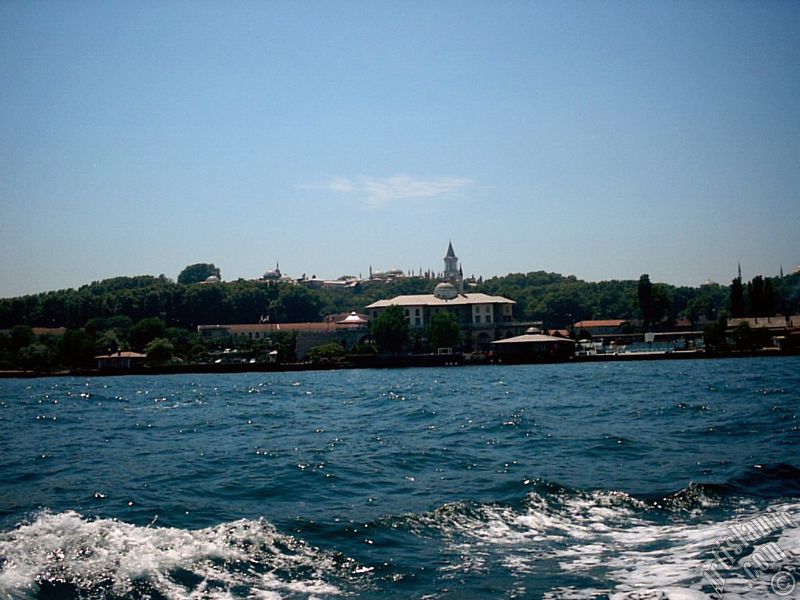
[450, 264]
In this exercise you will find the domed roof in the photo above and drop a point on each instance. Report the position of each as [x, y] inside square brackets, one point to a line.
[212, 279]
[445, 291]
[353, 319]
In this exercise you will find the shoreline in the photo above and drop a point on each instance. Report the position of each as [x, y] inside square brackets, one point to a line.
[387, 362]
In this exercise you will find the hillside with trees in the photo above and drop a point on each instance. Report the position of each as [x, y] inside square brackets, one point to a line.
[136, 312]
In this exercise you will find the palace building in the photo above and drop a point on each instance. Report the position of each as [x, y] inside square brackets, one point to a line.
[483, 318]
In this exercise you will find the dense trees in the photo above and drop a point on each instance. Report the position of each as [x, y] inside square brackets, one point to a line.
[197, 273]
[764, 296]
[159, 350]
[644, 292]
[654, 301]
[737, 298]
[444, 331]
[390, 330]
[130, 312]
[146, 331]
[112, 306]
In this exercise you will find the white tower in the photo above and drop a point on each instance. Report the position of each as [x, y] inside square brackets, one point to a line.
[451, 264]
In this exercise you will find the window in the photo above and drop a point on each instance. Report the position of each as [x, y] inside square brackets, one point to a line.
[408, 313]
[416, 312]
[417, 320]
[477, 318]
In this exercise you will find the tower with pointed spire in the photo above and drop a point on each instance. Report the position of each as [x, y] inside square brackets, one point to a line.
[451, 267]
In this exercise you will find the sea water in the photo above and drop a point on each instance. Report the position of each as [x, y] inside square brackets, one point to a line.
[674, 479]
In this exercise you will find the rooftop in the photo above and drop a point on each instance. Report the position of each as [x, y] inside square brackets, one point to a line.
[528, 338]
[432, 300]
[600, 323]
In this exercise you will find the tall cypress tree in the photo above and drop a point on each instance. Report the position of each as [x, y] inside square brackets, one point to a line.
[737, 298]
[644, 291]
[755, 293]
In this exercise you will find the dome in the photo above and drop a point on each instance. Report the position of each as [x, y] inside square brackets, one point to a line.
[212, 279]
[353, 319]
[445, 291]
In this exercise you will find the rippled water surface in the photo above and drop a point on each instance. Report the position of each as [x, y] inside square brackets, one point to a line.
[574, 480]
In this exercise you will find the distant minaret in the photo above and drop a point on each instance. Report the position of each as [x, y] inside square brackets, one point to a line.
[450, 264]
[740, 270]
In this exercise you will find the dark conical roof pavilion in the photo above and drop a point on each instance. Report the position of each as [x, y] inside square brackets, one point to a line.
[450, 253]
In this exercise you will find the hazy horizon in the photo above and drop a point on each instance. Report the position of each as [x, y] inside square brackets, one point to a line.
[603, 140]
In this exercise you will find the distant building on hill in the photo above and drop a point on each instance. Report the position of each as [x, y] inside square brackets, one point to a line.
[274, 274]
[482, 317]
[452, 270]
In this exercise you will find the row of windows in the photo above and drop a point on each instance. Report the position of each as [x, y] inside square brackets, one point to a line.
[487, 309]
[251, 335]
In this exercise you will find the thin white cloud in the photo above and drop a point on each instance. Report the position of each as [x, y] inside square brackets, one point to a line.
[381, 192]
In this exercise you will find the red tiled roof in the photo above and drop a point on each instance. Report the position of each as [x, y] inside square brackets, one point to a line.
[122, 355]
[270, 327]
[600, 323]
[48, 330]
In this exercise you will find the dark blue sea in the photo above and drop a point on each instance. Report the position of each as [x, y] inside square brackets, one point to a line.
[664, 479]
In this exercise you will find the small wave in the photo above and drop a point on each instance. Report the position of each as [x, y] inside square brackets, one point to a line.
[72, 556]
[602, 542]
[766, 481]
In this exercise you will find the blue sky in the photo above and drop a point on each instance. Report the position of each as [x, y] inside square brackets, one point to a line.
[600, 139]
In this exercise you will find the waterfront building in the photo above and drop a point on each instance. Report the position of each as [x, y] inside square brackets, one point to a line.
[533, 346]
[120, 360]
[347, 331]
[600, 327]
[482, 317]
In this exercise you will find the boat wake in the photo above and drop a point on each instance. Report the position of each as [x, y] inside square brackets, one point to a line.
[704, 541]
[66, 555]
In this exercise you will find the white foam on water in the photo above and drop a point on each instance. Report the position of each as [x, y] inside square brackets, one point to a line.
[608, 537]
[106, 556]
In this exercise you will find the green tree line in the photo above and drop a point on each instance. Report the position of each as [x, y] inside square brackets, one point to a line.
[108, 315]
[555, 299]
